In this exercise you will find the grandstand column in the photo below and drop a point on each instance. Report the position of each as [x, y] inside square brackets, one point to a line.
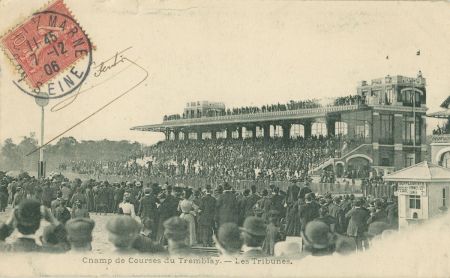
[286, 131]
[331, 128]
[199, 135]
[186, 135]
[266, 130]
[376, 126]
[176, 134]
[398, 142]
[307, 128]
[239, 132]
[423, 138]
[213, 134]
[229, 133]
[254, 132]
[167, 134]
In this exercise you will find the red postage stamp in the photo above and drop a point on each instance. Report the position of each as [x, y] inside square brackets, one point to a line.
[46, 44]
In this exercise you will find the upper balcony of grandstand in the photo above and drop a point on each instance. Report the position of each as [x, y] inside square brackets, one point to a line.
[388, 91]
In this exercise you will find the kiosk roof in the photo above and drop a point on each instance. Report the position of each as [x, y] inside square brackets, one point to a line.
[422, 171]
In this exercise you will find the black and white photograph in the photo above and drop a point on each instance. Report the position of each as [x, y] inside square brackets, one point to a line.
[224, 138]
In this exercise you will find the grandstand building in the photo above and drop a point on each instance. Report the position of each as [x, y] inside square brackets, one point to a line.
[382, 127]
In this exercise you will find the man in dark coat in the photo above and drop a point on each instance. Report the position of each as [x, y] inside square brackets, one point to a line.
[309, 210]
[167, 209]
[357, 225]
[337, 212]
[207, 207]
[305, 190]
[277, 201]
[148, 209]
[227, 207]
[292, 193]
[250, 202]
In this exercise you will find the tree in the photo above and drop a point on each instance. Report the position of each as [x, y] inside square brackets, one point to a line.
[10, 158]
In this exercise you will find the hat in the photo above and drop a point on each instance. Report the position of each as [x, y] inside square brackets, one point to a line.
[123, 225]
[227, 186]
[49, 235]
[147, 190]
[128, 183]
[254, 226]
[28, 212]
[176, 228]
[138, 184]
[80, 229]
[229, 236]
[316, 234]
[310, 196]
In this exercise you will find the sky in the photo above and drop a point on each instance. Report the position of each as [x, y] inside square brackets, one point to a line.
[240, 53]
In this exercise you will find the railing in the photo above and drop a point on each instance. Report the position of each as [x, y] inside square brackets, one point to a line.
[239, 185]
[378, 190]
[262, 115]
[440, 138]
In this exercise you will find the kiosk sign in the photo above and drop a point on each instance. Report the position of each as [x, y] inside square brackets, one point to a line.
[412, 189]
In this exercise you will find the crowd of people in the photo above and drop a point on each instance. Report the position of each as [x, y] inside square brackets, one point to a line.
[227, 159]
[155, 218]
[444, 129]
[291, 105]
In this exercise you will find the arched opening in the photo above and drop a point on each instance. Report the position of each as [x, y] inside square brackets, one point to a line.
[358, 167]
[339, 170]
[341, 128]
[445, 160]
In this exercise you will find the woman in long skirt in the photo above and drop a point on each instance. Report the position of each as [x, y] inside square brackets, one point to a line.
[188, 211]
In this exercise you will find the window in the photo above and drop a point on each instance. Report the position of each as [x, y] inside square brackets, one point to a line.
[297, 130]
[390, 96]
[444, 198]
[414, 201]
[408, 131]
[319, 129]
[362, 129]
[386, 134]
[341, 128]
[409, 160]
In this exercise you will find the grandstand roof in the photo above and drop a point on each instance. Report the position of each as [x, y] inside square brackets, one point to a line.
[248, 118]
[422, 171]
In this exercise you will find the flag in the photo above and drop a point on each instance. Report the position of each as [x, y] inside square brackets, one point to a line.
[418, 52]
[387, 57]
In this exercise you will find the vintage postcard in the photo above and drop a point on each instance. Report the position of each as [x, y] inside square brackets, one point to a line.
[224, 138]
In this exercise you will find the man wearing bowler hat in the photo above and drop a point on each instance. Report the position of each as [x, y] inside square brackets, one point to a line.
[176, 231]
[253, 233]
[227, 206]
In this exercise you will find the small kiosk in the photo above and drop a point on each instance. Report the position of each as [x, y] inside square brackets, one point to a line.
[422, 191]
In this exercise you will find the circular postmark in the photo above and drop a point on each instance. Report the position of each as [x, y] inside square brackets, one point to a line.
[50, 50]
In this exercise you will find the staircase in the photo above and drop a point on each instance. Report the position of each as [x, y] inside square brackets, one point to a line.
[332, 160]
